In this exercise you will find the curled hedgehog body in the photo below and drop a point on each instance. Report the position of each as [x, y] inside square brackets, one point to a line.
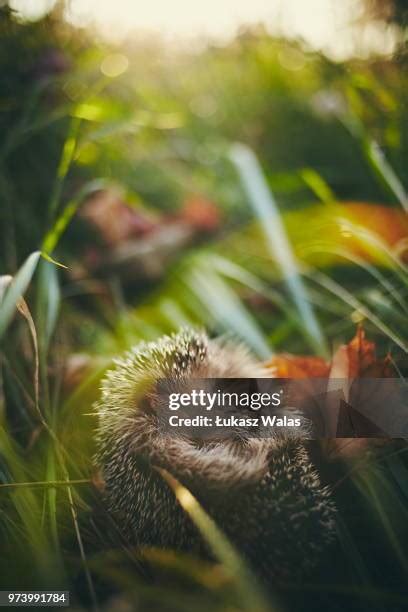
[263, 493]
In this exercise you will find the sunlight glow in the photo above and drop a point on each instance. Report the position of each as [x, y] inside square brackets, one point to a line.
[326, 25]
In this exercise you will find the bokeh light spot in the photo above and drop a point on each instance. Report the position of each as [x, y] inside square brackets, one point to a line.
[114, 65]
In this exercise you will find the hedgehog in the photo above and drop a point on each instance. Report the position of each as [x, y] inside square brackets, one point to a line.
[264, 493]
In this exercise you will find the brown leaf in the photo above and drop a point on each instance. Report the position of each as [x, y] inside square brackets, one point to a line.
[350, 362]
[201, 213]
[297, 366]
[361, 359]
[357, 360]
[114, 219]
[389, 223]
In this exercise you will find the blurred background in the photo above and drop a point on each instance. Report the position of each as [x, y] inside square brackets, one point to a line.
[235, 165]
[200, 164]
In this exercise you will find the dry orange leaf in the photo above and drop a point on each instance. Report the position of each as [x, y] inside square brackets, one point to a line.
[389, 223]
[353, 360]
[297, 366]
[357, 359]
[362, 361]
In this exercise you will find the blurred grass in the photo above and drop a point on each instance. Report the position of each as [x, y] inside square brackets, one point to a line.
[248, 591]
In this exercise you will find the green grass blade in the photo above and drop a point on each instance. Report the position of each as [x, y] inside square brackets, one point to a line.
[390, 289]
[385, 172]
[279, 246]
[16, 290]
[343, 294]
[318, 185]
[52, 237]
[387, 508]
[67, 156]
[225, 307]
[25, 503]
[48, 303]
[251, 597]
[351, 551]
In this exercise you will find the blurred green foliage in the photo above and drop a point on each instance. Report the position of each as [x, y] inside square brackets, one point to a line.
[161, 128]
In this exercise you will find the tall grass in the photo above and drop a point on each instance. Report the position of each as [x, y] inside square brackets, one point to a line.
[277, 241]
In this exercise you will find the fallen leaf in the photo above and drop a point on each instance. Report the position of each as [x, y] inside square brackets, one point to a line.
[297, 366]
